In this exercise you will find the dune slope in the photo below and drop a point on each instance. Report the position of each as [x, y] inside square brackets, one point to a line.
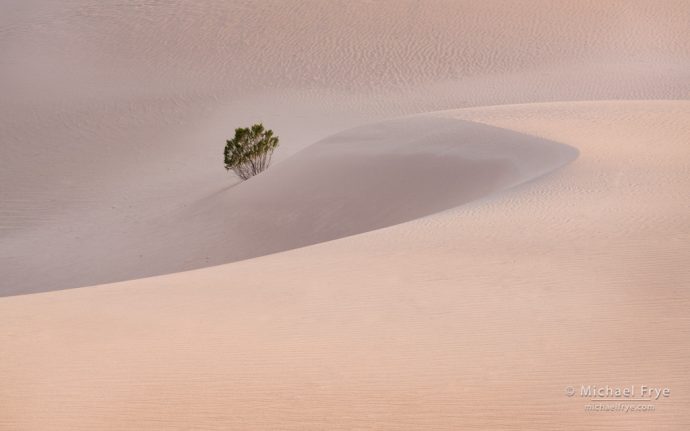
[353, 182]
[113, 114]
[475, 318]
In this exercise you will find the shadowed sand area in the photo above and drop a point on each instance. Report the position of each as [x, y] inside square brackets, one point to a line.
[353, 182]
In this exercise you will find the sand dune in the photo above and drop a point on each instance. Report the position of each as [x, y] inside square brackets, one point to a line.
[356, 181]
[486, 257]
[473, 318]
[113, 114]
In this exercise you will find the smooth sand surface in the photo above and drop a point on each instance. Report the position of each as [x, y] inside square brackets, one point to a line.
[483, 260]
[356, 181]
[114, 114]
[475, 318]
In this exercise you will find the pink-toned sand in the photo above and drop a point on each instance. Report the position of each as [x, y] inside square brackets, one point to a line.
[500, 253]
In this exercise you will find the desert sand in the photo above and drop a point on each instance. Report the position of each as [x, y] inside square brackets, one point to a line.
[475, 205]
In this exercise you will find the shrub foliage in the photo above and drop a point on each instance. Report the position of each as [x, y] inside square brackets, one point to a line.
[250, 151]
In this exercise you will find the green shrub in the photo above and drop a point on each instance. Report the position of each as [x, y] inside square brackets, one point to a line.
[250, 151]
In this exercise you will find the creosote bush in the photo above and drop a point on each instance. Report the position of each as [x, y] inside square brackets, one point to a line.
[250, 151]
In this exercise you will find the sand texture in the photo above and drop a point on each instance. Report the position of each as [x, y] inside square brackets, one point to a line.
[475, 205]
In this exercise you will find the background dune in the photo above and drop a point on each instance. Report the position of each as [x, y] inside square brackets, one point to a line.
[509, 280]
[114, 113]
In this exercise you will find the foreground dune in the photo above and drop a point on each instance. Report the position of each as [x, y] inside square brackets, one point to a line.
[477, 317]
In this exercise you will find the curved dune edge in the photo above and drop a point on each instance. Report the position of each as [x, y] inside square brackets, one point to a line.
[474, 318]
[356, 181]
[371, 177]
